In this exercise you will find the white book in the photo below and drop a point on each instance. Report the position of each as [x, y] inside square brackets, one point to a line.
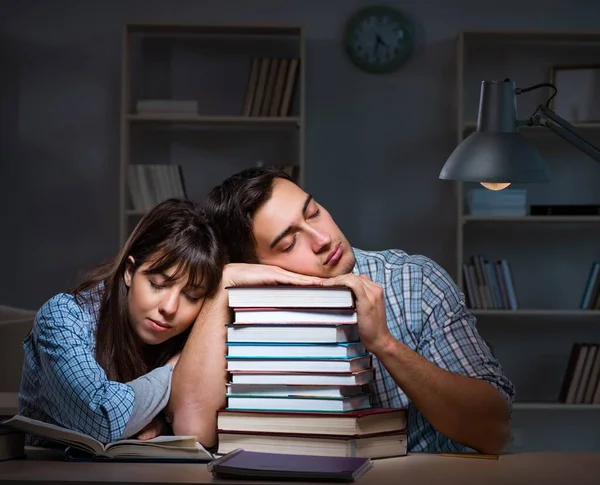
[354, 379]
[295, 333]
[299, 365]
[289, 296]
[248, 390]
[299, 404]
[278, 351]
[265, 315]
[166, 447]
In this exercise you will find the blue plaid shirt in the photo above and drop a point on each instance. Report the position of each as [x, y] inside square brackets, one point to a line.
[63, 384]
[426, 311]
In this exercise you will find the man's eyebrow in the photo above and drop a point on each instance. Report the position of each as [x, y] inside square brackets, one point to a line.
[287, 230]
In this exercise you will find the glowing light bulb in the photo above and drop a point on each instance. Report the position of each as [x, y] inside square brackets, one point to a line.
[495, 185]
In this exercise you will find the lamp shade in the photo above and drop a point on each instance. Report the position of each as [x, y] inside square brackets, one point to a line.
[496, 152]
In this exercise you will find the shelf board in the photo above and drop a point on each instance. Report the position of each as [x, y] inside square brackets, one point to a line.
[554, 406]
[545, 38]
[218, 121]
[467, 218]
[531, 312]
[213, 30]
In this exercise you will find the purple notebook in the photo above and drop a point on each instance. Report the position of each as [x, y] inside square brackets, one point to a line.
[260, 466]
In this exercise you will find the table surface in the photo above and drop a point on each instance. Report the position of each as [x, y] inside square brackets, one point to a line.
[416, 468]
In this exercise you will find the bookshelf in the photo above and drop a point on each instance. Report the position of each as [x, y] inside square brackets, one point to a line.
[549, 256]
[221, 124]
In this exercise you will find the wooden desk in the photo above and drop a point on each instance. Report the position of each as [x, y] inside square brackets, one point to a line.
[419, 468]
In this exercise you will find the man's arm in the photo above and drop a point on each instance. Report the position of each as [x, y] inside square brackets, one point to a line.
[467, 410]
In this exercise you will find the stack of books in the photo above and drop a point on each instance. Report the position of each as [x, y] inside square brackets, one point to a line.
[300, 375]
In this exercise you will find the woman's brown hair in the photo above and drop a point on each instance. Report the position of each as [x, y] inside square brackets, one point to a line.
[174, 234]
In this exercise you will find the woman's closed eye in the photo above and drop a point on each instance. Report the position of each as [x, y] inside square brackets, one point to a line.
[156, 286]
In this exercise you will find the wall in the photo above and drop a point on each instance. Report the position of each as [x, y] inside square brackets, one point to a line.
[374, 149]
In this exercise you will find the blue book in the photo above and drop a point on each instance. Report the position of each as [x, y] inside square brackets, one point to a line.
[267, 466]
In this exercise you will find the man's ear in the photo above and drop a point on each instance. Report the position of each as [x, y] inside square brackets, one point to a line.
[129, 270]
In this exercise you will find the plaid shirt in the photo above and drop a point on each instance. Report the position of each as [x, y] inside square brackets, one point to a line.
[62, 383]
[426, 311]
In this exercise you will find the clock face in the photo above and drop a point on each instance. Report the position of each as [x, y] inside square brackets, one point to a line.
[379, 39]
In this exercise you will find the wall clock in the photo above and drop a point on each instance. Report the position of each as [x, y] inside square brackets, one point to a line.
[379, 39]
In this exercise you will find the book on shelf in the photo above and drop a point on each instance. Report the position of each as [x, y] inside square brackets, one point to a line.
[300, 365]
[581, 383]
[374, 446]
[273, 333]
[266, 350]
[271, 86]
[177, 448]
[150, 184]
[489, 284]
[590, 300]
[362, 422]
[295, 315]
[243, 464]
[290, 296]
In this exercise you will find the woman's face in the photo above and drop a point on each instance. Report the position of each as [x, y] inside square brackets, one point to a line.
[160, 309]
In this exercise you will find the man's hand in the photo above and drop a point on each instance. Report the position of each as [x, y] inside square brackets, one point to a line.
[370, 307]
[242, 274]
[154, 428]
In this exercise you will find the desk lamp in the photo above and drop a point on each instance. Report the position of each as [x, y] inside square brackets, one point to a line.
[496, 154]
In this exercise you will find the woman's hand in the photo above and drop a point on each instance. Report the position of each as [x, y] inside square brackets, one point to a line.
[154, 428]
[242, 274]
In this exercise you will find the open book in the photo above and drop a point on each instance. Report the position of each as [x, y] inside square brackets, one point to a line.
[161, 447]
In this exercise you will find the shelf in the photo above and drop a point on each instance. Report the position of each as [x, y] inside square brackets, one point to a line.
[213, 30]
[249, 122]
[467, 218]
[554, 406]
[537, 313]
[518, 37]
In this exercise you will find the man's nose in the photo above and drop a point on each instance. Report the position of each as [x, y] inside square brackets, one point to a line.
[321, 240]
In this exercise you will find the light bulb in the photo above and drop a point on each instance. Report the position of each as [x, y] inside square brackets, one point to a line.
[495, 185]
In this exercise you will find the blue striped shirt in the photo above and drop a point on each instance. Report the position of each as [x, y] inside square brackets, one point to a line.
[426, 311]
[63, 384]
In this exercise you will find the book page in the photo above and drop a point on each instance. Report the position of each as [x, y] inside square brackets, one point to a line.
[55, 433]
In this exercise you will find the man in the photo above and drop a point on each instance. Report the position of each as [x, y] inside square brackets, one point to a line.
[427, 352]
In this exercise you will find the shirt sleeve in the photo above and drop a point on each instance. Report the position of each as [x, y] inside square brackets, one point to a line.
[450, 338]
[78, 393]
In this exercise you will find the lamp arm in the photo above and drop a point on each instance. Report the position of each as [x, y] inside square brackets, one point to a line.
[565, 130]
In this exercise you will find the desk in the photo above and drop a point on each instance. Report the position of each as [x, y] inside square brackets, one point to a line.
[418, 468]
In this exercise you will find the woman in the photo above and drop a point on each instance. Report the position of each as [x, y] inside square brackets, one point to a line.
[99, 359]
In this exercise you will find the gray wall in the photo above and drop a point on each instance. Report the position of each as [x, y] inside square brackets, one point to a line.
[374, 149]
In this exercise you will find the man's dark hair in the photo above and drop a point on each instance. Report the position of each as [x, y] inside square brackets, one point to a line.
[232, 205]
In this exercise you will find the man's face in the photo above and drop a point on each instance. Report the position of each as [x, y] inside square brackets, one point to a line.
[295, 233]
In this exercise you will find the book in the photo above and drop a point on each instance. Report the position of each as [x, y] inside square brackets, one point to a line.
[161, 447]
[291, 333]
[373, 446]
[294, 315]
[282, 390]
[289, 296]
[322, 404]
[299, 365]
[268, 466]
[342, 350]
[339, 379]
[353, 423]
